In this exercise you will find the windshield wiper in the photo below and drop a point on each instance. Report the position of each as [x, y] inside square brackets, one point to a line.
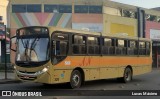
[34, 43]
[27, 47]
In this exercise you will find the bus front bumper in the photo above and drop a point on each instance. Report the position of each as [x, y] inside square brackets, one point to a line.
[40, 77]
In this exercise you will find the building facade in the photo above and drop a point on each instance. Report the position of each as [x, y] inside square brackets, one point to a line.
[3, 21]
[76, 14]
[153, 32]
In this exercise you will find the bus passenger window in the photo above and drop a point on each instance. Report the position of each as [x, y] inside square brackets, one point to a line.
[91, 49]
[132, 48]
[93, 45]
[147, 48]
[106, 46]
[63, 46]
[142, 48]
[107, 42]
[76, 49]
[79, 44]
[78, 39]
[120, 43]
[91, 40]
[53, 47]
[121, 47]
[60, 47]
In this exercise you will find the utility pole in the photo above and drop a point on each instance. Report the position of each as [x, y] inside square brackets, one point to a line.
[141, 22]
[5, 32]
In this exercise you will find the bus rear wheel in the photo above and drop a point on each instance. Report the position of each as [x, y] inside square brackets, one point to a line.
[127, 76]
[76, 79]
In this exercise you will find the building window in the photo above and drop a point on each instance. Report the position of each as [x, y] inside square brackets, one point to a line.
[34, 8]
[51, 8]
[81, 9]
[127, 13]
[158, 18]
[65, 9]
[95, 9]
[18, 8]
[151, 17]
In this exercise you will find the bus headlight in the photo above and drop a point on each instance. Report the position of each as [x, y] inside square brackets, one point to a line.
[42, 71]
[45, 69]
[14, 67]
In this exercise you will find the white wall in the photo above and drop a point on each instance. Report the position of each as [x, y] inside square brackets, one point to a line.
[155, 34]
[111, 11]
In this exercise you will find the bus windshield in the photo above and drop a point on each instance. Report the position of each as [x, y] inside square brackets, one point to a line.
[32, 49]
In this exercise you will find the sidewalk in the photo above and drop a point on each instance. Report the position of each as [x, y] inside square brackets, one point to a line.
[10, 78]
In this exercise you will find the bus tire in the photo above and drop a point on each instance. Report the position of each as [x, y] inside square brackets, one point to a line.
[75, 79]
[127, 76]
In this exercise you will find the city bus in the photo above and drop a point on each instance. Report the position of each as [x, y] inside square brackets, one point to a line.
[52, 55]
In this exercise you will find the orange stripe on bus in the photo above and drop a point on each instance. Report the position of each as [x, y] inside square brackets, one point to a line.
[105, 61]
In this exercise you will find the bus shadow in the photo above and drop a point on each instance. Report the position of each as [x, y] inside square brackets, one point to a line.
[88, 84]
[110, 82]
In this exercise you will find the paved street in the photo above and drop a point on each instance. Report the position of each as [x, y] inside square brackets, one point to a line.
[149, 81]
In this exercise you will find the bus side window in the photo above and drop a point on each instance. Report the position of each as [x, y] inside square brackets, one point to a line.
[121, 47]
[106, 47]
[59, 47]
[78, 44]
[132, 49]
[147, 48]
[63, 48]
[93, 45]
[142, 48]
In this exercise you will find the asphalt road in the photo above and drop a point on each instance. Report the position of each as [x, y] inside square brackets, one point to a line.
[149, 81]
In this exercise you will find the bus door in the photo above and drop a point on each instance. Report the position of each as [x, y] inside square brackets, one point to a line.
[59, 47]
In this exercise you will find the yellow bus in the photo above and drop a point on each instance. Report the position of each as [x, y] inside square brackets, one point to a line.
[53, 55]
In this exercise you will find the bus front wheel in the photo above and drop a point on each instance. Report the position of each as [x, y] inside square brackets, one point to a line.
[76, 79]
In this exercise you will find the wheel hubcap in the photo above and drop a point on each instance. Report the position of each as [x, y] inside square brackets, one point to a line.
[76, 79]
[128, 75]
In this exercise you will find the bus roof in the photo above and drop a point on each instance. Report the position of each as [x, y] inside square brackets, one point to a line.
[96, 33]
[53, 29]
[74, 31]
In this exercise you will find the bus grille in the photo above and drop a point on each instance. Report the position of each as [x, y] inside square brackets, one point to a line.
[27, 77]
[27, 72]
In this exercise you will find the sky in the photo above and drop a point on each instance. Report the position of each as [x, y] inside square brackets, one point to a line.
[141, 3]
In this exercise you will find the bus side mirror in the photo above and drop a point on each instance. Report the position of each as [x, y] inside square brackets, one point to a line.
[13, 44]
